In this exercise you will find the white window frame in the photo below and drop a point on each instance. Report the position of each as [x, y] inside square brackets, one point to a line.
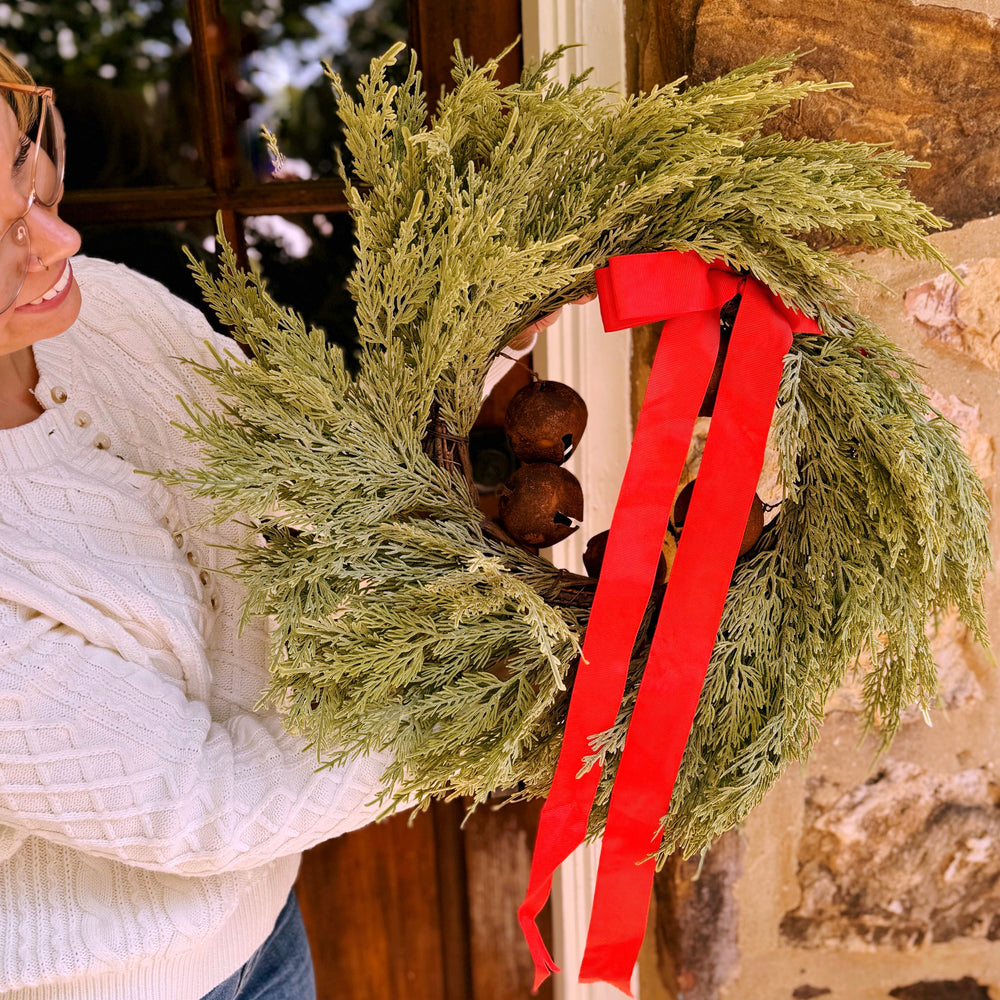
[578, 352]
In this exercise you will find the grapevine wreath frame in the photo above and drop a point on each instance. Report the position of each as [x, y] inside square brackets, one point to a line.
[404, 621]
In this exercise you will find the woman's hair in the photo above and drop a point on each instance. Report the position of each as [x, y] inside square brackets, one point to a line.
[23, 105]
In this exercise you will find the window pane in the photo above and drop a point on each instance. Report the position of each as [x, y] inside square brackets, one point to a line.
[123, 78]
[307, 258]
[157, 249]
[287, 88]
[124, 75]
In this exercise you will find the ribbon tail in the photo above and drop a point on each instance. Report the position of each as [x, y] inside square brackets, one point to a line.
[681, 370]
[625, 985]
[544, 963]
[685, 636]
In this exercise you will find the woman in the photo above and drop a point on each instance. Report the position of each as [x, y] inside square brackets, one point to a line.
[151, 821]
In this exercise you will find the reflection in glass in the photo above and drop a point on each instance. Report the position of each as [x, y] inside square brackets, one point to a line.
[307, 258]
[291, 94]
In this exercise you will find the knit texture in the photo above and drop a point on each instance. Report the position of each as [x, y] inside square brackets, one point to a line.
[150, 820]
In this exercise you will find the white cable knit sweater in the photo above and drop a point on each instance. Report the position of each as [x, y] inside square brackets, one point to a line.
[150, 820]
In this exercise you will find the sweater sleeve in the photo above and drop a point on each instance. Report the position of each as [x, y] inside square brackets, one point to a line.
[110, 757]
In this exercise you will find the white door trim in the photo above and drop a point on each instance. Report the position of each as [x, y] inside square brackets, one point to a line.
[578, 352]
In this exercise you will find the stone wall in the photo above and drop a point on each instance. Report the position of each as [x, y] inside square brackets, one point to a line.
[865, 877]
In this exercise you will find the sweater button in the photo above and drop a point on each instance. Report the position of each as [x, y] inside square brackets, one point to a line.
[178, 539]
[204, 577]
[214, 602]
[58, 394]
[81, 419]
[102, 442]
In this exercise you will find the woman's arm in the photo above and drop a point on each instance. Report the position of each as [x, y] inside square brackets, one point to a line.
[522, 345]
[111, 757]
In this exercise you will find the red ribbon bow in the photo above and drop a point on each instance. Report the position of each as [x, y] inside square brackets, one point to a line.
[688, 293]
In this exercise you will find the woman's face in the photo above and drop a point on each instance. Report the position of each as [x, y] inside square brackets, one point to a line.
[53, 242]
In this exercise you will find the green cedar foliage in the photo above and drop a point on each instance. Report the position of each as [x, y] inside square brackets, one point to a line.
[400, 625]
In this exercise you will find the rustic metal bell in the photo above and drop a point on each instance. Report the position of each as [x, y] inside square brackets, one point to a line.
[754, 526]
[545, 421]
[541, 504]
[593, 557]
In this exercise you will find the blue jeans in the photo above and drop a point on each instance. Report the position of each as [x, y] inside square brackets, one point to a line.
[280, 969]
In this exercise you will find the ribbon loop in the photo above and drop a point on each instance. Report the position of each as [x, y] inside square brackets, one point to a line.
[645, 288]
[687, 293]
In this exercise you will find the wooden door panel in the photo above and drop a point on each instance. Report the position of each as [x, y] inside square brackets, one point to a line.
[498, 859]
[484, 28]
[424, 910]
[371, 907]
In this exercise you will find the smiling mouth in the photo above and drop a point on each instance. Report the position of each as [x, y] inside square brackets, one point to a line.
[58, 287]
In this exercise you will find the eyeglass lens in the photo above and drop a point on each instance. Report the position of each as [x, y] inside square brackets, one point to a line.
[50, 144]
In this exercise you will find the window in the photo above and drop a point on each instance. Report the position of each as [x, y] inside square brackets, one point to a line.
[163, 102]
[164, 99]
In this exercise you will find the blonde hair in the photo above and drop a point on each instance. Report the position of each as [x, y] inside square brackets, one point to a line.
[23, 105]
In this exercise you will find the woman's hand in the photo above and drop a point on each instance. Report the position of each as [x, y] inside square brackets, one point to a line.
[524, 338]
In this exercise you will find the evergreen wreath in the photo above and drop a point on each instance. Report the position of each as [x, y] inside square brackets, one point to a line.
[406, 622]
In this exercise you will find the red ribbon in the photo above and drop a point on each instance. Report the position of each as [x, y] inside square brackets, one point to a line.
[688, 294]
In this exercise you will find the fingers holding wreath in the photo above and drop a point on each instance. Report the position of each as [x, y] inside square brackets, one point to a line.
[525, 337]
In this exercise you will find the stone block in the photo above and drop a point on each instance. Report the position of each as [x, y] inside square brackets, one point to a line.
[903, 860]
[697, 919]
[961, 317]
[956, 657]
[921, 74]
[967, 418]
